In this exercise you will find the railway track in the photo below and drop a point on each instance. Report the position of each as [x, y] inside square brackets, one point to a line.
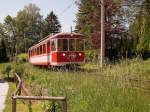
[139, 84]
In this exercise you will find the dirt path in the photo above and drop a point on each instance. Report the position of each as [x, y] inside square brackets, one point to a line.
[3, 93]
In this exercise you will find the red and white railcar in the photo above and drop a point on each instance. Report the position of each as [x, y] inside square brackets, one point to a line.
[58, 50]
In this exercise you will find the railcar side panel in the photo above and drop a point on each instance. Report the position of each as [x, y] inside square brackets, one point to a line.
[39, 60]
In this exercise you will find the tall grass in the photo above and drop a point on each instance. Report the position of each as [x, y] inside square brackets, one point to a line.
[2, 67]
[87, 90]
[135, 68]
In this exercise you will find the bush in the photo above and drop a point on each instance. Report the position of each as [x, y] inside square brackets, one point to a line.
[7, 70]
[19, 70]
[91, 56]
[22, 58]
[51, 107]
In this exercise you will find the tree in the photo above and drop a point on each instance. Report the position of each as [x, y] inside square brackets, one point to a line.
[29, 24]
[89, 22]
[3, 51]
[52, 24]
[28, 27]
[83, 20]
[140, 29]
[10, 34]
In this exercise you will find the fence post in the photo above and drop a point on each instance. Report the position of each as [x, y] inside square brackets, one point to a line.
[19, 92]
[13, 104]
[64, 105]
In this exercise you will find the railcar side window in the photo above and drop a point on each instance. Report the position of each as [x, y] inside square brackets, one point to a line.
[48, 46]
[40, 49]
[72, 46]
[44, 48]
[33, 52]
[62, 45]
[79, 45]
[53, 45]
[29, 53]
[37, 51]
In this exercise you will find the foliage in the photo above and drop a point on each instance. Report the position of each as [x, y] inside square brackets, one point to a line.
[26, 29]
[89, 21]
[51, 107]
[10, 35]
[3, 51]
[7, 70]
[52, 24]
[91, 56]
[22, 58]
[88, 90]
[19, 70]
[127, 26]
[140, 30]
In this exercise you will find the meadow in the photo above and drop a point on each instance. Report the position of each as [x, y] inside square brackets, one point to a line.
[89, 89]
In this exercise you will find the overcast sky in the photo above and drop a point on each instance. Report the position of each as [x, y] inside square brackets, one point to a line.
[64, 9]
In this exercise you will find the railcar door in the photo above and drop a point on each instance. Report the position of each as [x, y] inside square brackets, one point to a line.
[48, 52]
[53, 50]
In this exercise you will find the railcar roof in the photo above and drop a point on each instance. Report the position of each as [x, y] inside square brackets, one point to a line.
[59, 35]
[62, 35]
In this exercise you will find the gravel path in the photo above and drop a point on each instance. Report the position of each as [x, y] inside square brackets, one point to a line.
[3, 93]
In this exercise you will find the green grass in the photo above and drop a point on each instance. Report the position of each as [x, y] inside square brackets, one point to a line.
[21, 106]
[2, 66]
[135, 68]
[86, 90]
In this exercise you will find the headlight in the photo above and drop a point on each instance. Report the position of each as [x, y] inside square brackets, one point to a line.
[80, 54]
[64, 54]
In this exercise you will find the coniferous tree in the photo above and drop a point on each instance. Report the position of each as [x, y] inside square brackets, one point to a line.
[89, 23]
[52, 25]
[140, 30]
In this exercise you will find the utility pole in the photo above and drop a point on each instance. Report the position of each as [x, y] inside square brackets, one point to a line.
[102, 53]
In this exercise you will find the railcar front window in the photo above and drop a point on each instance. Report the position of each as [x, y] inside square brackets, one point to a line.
[80, 45]
[72, 46]
[62, 45]
[44, 48]
[53, 45]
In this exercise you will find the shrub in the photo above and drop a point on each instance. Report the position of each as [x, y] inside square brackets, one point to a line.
[91, 55]
[51, 107]
[22, 58]
[19, 70]
[7, 70]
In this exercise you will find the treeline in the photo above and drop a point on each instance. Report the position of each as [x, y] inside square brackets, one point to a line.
[18, 33]
[127, 26]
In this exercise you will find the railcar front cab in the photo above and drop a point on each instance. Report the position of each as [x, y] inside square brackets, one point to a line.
[66, 51]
